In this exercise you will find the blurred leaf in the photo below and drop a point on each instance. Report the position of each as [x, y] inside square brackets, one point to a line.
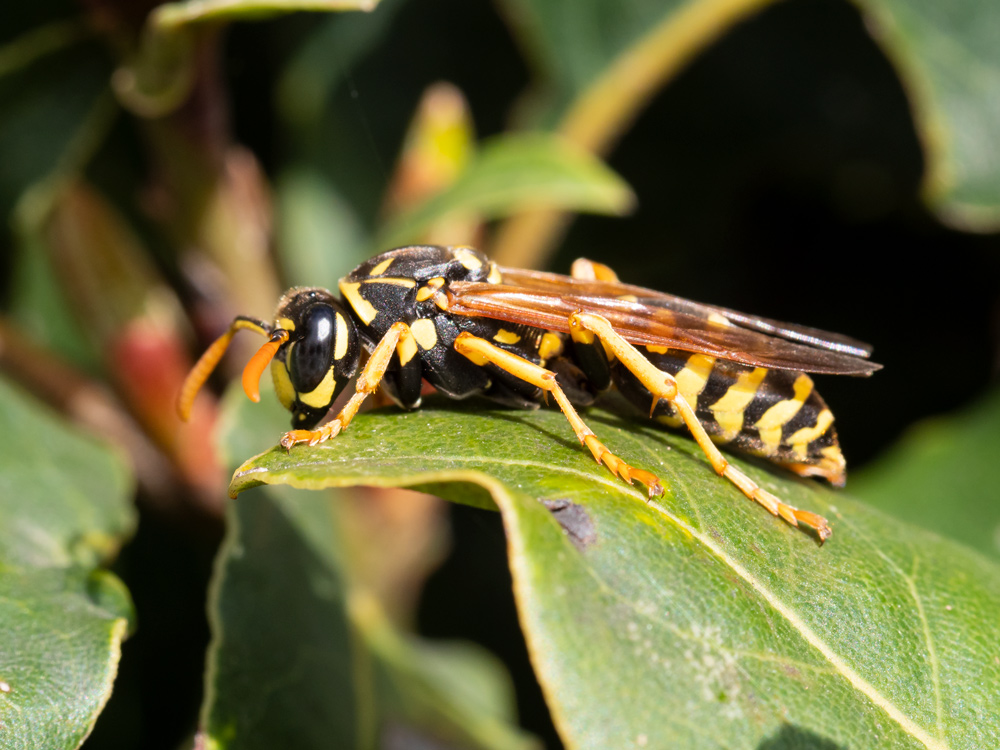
[293, 661]
[319, 237]
[35, 43]
[516, 173]
[323, 62]
[40, 308]
[159, 77]
[944, 476]
[175, 15]
[599, 63]
[55, 113]
[949, 60]
[63, 497]
[304, 655]
[64, 508]
[697, 620]
[439, 144]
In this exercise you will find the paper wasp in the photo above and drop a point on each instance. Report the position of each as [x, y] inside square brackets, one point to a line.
[450, 316]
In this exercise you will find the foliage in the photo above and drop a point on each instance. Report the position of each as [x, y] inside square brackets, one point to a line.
[139, 224]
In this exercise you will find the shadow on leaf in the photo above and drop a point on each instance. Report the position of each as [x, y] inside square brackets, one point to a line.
[790, 737]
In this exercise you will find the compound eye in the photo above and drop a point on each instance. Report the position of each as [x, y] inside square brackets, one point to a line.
[312, 353]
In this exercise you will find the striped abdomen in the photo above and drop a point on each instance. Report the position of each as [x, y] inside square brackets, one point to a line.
[776, 414]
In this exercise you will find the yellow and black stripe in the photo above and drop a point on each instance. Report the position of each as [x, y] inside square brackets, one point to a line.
[776, 414]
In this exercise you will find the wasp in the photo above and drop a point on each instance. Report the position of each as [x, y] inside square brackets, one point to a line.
[452, 317]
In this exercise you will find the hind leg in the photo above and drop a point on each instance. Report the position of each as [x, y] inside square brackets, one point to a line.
[663, 386]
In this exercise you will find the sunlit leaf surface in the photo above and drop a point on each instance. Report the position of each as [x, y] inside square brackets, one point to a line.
[697, 620]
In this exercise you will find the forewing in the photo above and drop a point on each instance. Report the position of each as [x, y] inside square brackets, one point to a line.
[811, 337]
[548, 301]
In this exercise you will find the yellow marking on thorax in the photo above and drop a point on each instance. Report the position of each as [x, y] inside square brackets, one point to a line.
[395, 281]
[282, 383]
[550, 346]
[691, 381]
[424, 332]
[382, 267]
[285, 323]
[322, 394]
[503, 336]
[340, 349]
[656, 349]
[407, 348]
[729, 409]
[428, 290]
[495, 276]
[800, 439]
[361, 306]
[581, 335]
[770, 424]
[467, 258]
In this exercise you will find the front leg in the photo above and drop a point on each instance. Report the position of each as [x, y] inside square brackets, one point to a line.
[398, 336]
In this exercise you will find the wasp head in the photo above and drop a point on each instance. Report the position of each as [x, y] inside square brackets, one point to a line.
[313, 351]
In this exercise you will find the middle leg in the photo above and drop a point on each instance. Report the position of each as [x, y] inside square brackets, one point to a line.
[480, 351]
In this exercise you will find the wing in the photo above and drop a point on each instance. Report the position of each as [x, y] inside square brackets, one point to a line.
[645, 317]
[811, 337]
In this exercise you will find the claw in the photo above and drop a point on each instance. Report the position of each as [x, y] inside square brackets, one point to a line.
[621, 469]
[815, 521]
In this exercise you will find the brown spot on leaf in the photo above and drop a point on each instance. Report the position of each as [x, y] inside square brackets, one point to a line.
[575, 521]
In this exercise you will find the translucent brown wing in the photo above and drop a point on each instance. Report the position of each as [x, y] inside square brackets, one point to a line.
[645, 317]
[811, 337]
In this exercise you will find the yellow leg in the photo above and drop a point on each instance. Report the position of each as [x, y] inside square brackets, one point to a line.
[662, 385]
[397, 336]
[482, 351]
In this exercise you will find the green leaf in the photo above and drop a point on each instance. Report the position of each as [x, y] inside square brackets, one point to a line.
[159, 76]
[55, 107]
[319, 234]
[944, 476]
[948, 58]
[599, 63]
[64, 507]
[697, 620]
[514, 173]
[303, 654]
[175, 15]
[64, 498]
